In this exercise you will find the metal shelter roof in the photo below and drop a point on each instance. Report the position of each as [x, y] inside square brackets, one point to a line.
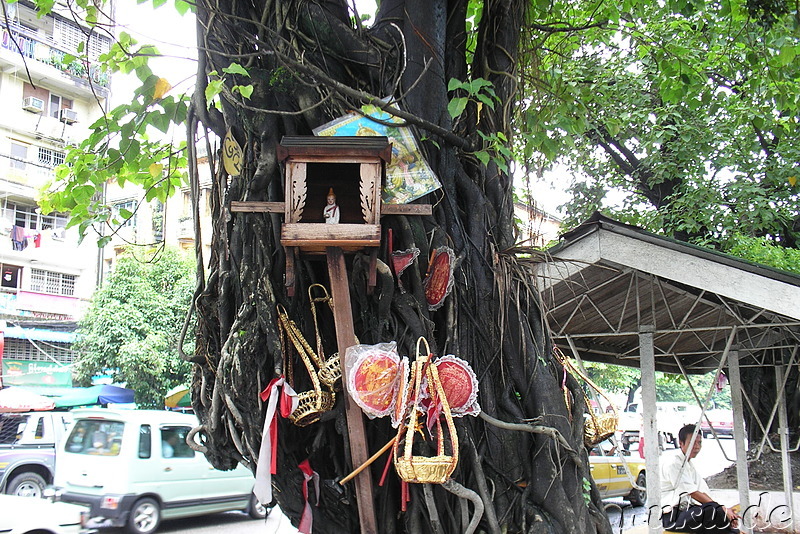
[606, 282]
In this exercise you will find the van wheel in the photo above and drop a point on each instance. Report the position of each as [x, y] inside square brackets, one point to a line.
[27, 485]
[145, 517]
[256, 510]
[638, 497]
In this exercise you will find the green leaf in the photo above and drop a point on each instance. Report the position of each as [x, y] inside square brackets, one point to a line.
[787, 54]
[454, 84]
[456, 106]
[83, 193]
[213, 88]
[483, 157]
[486, 100]
[183, 7]
[235, 68]
[244, 90]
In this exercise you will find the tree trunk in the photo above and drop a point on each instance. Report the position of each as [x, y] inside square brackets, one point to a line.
[308, 65]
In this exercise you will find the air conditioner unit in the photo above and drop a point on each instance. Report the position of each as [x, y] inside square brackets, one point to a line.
[68, 115]
[31, 103]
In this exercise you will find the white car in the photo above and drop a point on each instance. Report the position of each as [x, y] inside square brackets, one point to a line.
[134, 468]
[28, 515]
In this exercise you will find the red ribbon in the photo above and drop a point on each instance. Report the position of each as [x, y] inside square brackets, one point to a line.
[308, 517]
[267, 455]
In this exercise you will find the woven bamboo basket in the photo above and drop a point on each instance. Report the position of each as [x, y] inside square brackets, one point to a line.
[425, 469]
[330, 373]
[310, 407]
[596, 428]
[599, 428]
[314, 402]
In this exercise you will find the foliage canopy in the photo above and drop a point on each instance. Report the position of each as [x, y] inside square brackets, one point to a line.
[132, 327]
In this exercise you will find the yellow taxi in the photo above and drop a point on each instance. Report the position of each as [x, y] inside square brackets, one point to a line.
[618, 474]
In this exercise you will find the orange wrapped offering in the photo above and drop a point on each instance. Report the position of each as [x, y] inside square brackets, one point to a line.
[459, 384]
[375, 376]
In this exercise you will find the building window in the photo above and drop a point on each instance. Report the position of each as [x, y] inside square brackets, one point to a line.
[98, 45]
[57, 103]
[28, 217]
[19, 156]
[52, 282]
[130, 206]
[53, 102]
[67, 35]
[50, 158]
[47, 351]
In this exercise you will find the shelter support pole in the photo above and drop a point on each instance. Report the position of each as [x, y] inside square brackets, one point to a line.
[742, 473]
[345, 337]
[647, 361]
[783, 431]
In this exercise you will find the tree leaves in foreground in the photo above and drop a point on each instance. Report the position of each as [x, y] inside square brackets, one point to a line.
[681, 117]
[131, 329]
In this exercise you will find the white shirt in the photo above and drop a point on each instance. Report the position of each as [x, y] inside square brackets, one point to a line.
[674, 489]
[331, 213]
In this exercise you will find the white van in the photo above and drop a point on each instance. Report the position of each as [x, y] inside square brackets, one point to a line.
[133, 468]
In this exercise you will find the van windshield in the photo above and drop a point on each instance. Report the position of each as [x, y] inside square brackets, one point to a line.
[90, 436]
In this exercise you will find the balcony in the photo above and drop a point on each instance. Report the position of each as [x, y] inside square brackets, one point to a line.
[20, 41]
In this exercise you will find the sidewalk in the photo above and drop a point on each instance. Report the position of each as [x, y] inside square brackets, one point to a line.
[771, 503]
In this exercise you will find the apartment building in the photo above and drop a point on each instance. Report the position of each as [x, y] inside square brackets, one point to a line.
[154, 223]
[46, 276]
[537, 228]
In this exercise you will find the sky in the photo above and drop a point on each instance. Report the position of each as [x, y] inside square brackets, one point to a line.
[171, 33]
[174, 35]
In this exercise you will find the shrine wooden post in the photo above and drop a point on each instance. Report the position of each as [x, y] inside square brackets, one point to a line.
[345, 337]
[353, 167]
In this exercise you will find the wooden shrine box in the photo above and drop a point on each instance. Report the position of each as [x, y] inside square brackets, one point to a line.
[355, 168]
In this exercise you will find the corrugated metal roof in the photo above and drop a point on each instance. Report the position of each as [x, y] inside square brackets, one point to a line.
[606, 280]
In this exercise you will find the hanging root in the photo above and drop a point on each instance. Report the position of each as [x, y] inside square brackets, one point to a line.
[534, 429]
[465, 493]
[433, 513]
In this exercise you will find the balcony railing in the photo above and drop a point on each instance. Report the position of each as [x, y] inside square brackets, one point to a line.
[18, 40]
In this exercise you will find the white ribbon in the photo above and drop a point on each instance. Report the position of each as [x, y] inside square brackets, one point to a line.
[263, 485]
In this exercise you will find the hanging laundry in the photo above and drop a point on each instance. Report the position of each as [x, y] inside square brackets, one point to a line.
[37, 239]
[18, 240]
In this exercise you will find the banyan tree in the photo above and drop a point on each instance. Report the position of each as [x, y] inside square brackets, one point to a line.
[446, 77]
[309, 63]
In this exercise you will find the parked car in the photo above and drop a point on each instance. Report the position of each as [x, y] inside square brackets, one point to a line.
[614, 473]
[720, 420]
[28, 450]
[670, 417]
[134, 468]
[40, 516]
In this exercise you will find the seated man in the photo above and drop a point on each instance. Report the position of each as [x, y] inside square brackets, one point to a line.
[684, 493]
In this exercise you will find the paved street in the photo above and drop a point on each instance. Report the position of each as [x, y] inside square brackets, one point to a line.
[621, 514]
[275, 523]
